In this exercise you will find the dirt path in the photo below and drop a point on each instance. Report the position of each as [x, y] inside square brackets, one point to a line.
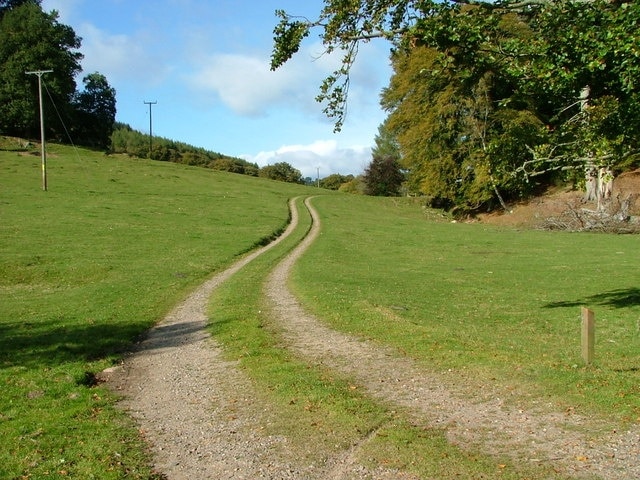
[200, 414]
[195, 409]
[484, 422]
[203, 420]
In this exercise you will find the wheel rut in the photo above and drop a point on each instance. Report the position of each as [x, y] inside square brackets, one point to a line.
[199, 413]
[484, 423]
[202, 419]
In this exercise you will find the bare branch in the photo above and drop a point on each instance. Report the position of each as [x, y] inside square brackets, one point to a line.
[552, 163]
[387, 34]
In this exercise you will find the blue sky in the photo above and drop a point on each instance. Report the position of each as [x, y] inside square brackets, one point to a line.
[206, 63]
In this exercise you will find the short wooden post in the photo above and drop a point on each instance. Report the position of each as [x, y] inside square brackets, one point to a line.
[588, 335]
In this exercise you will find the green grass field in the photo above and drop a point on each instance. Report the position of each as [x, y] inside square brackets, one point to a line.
[88, 266]
[115, 243]
[312, 405]
[495, 306]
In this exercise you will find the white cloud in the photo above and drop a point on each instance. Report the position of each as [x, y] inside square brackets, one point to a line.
[326, 155]
[120, 57]
[246, 85]
[243, 83]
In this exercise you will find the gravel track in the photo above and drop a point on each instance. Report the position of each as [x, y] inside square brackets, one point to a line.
[484, 421]
[202, 418]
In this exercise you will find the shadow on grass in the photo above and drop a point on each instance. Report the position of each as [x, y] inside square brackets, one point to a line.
[171, 335]
[38, 344]
[620, 298]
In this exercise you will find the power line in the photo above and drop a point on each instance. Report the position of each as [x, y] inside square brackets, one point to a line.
[64, 125]
[39, 73]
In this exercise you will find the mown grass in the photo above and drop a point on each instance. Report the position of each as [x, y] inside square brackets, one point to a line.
[114, 243]
[322, 413]
[497, 308]
[85, 268]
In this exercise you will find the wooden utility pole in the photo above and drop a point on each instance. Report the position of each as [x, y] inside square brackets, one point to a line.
[150, 127]
[39, 73]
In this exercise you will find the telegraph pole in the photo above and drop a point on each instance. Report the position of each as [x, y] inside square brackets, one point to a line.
[39, 73]
[150, 127]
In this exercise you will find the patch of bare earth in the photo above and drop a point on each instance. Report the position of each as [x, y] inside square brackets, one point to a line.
[560, 203]
[203, 419]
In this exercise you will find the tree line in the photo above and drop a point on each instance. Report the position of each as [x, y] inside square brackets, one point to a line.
[489, 101]
[125, 139]
[134, 143]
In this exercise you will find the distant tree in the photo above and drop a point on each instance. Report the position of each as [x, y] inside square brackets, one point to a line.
[281, 171]
[234, 165]
[96, 111]
[194, 158]
[251, 169]
[335, 181]
[124, 139]
[119, 137]
[165, 152]
[355, 186]
[31, 39]
[226, 165]
[383, 177]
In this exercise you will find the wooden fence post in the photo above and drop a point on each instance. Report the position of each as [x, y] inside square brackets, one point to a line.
[588, 335]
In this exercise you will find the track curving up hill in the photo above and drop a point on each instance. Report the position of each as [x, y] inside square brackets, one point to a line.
[202, 419]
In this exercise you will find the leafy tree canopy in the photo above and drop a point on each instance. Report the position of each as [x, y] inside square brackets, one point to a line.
[383, 177]
[565, 45]
[335, 181]
[31, 39]
[281, 171]
[6, 5]
[95, 111]
[487, 95]
[386, 143]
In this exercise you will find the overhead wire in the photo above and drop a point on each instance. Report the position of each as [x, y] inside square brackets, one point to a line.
[66, 130]
[55, 107]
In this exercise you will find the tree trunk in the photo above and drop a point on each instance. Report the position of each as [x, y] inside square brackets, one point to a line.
[605, 187]
[591, 185]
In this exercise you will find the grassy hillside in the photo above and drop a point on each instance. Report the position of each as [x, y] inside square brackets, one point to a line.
[85, 268]
[90, 264]
[496, 310]
[498, 307]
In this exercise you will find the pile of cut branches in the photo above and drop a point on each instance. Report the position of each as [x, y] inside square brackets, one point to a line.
[613, 217]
